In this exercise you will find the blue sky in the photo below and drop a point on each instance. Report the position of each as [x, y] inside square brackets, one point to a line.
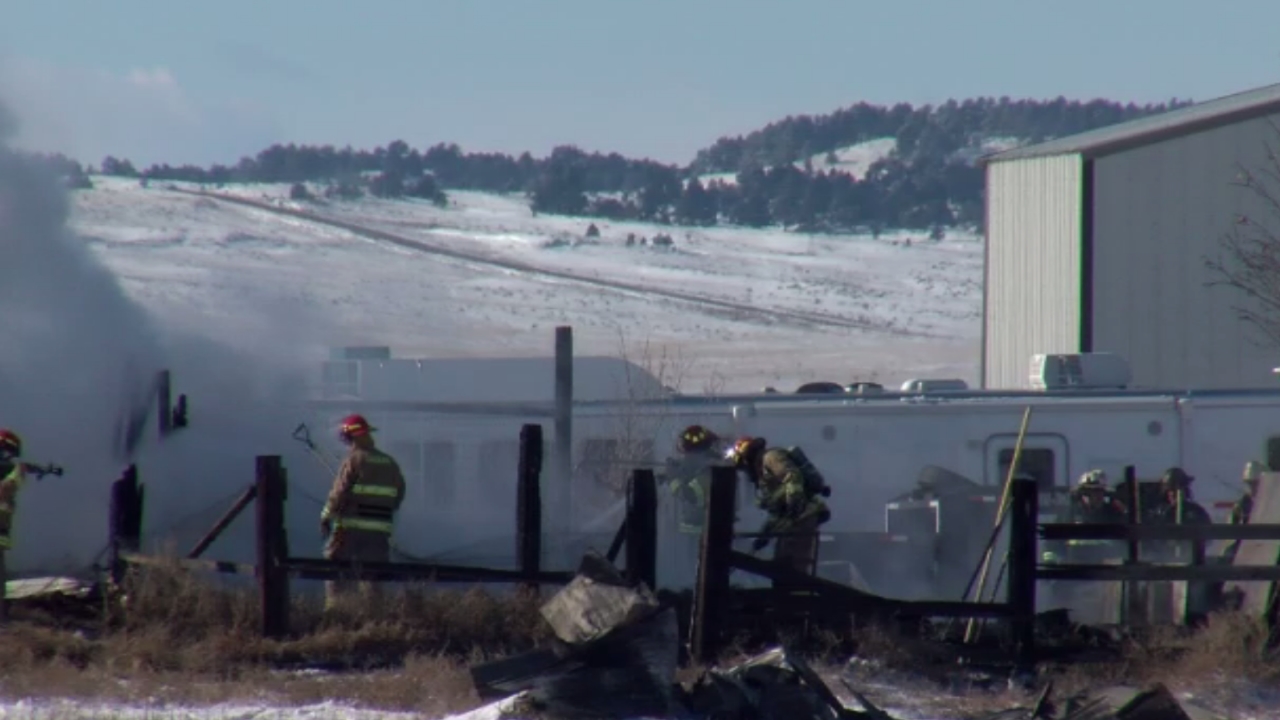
[186, 81]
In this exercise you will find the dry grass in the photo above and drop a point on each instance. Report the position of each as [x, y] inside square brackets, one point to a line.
[1218, 663]
[178, 637]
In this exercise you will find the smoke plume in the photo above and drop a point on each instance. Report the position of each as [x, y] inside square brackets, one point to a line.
[78, 356]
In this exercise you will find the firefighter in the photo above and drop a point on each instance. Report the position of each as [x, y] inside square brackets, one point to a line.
[1243, 508]
[1174, 481]
[790, 489]
[1092, 502]
[689, 476]
[12, 476]
[359, 515]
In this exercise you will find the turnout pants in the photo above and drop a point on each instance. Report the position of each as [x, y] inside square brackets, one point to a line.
[360, 546]
[799, 547]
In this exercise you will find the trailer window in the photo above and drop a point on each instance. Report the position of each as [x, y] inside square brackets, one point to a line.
[441, 473]
[1273, 453]
[499, 460]
[1036, 462]
[408, 456]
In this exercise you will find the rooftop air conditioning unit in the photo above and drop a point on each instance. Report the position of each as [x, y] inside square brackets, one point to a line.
[920, 385]
[1084, 371]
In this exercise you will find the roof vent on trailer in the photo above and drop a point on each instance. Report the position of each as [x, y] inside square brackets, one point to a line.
[1084, 371]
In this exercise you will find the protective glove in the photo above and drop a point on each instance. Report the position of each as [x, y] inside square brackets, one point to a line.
[759, 544]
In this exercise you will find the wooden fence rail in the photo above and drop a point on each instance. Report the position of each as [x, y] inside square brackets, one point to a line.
[716, 603]
[274, 567]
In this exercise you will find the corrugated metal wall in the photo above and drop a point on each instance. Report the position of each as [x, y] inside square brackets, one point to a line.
[1033, 264]
[1158, 212]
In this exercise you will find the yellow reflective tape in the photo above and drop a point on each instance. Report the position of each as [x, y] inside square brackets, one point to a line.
[325, 513]
[378, 490]
[5, 542]
[362, 524]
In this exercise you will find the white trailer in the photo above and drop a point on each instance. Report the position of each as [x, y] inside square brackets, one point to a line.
[454, 427]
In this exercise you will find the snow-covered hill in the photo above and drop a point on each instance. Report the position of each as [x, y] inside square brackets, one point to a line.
[854, 160]
[743, 308]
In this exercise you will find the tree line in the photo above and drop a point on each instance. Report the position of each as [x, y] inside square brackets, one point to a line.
[781, 173]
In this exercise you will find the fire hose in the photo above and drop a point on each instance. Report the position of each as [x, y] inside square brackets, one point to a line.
[302, 434]
[39, 471]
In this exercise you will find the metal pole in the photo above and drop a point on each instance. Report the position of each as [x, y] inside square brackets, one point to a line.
[164, 402]
[970, 629]
[1133, 611]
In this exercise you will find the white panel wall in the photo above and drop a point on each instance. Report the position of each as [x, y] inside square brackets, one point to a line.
[1033, 264]
[1158, 212]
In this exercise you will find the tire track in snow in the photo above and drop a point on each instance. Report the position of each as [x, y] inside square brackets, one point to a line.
[739, 310]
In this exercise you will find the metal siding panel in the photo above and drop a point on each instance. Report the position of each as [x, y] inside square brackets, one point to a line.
[1033, 256]
[1159, 211]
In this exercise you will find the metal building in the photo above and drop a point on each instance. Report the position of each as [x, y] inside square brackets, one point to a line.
[1097, 242]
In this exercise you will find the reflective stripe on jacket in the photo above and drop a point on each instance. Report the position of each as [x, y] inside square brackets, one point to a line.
[366, 493]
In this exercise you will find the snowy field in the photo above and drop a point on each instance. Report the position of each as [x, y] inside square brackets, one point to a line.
[741, 308]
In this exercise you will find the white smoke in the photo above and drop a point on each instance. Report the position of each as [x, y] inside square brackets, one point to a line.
[77, 355]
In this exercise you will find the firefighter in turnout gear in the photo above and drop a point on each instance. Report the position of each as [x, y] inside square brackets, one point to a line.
[12, 476]
[790, 489]
[689, 476]
[358, 517]
[1177, 480]
[1243, 508]
[1092, 502]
